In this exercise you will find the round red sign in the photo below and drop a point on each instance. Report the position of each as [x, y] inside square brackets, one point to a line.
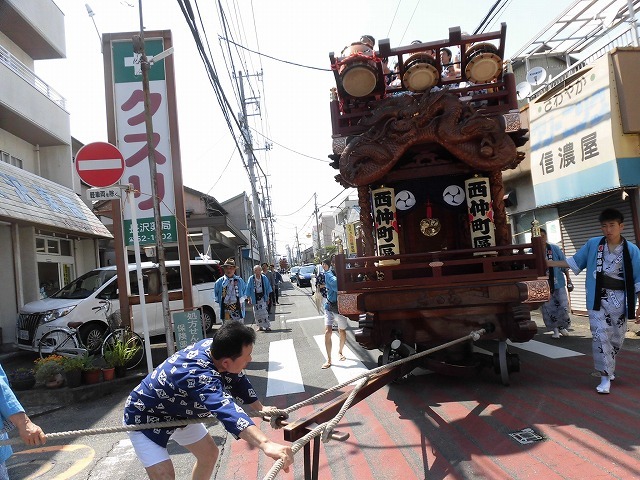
[99, 164]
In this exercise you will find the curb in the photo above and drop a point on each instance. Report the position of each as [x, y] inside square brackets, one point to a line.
[39, 401]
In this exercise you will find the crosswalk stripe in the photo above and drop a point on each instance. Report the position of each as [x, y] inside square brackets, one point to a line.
[347, 369]
[284, 374]
[550, 351]
[289, 320]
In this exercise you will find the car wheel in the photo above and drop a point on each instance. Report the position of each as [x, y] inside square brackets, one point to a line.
[209, 317]
[92, 336]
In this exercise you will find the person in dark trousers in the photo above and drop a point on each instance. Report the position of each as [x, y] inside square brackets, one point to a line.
[206, 377]
[277, 280]
[612, 285]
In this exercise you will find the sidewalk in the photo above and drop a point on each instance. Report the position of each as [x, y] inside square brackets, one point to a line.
[40, 400]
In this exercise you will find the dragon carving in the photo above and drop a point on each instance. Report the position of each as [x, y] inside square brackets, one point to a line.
[403, 121]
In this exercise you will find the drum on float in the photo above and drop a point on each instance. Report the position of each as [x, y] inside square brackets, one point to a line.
[483, 63]
[358, 70]
[420, 73]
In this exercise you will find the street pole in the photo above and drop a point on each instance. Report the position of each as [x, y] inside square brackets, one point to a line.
[248, 150]
[315, 200]
[138, 47]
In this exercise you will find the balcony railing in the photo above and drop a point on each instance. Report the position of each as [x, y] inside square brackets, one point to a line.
[28, 76]
[625, 39]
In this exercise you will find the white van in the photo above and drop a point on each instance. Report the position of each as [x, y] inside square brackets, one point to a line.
[83, 300]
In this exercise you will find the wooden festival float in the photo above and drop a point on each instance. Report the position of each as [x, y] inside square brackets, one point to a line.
[433, 258]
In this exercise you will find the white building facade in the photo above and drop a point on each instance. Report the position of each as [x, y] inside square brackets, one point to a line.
[48, 235]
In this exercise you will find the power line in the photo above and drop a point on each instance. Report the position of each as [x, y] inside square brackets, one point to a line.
[273, 58]
[394, 17]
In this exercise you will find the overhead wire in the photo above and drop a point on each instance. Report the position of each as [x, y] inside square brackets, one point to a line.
[486, 17]
[394, 17]
[272, 58]
[409, 22]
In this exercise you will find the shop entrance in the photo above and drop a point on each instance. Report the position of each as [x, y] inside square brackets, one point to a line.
[55, 264]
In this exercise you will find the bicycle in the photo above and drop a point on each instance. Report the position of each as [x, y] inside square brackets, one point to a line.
[67, 342]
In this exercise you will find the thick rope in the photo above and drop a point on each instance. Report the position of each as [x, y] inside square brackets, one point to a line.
[325, 429]
[121, 428]
[277, 415]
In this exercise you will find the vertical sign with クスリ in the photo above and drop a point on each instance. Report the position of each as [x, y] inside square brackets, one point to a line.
[132, 139]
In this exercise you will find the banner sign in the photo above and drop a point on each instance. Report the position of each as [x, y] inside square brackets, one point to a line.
[480, 212]
[128, 98]
[352, 249]
[386, 223]
[572, 144]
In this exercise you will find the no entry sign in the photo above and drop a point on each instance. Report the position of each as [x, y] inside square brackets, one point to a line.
[99, 164]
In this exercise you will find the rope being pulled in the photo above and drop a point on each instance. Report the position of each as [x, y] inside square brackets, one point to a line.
[323, 429]
[277, 415]
[121, 428]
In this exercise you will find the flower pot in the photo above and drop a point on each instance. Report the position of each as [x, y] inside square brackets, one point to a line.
[56, 381]
[90, 377]
[108, 374]
[25, 383]
[121, 371]
[73, 378]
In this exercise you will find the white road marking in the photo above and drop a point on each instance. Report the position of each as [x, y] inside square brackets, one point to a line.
[345, 370]
[544, 349]
[287, 320]
[284, 374]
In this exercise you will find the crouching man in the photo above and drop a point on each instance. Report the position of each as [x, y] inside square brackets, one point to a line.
[203, 378]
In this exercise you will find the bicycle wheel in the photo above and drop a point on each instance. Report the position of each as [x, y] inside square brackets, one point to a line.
[59, 342]
[129, 346]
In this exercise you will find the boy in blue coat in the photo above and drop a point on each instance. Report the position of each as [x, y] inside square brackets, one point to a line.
[612, 285]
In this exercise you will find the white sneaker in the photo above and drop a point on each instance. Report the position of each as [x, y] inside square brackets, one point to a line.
[564, 332]
[556, 333]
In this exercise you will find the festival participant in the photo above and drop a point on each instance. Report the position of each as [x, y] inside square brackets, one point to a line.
[612, 284]
[228, 291]
[257, 293]
[555, 312]
[331, 314]
[206, 377]
[12, 415]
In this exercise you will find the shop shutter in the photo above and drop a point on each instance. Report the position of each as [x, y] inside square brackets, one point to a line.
[578, 223]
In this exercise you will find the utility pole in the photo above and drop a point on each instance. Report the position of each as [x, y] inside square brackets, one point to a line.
[138, 47]
[315, 200]
[248, 150]
[298, 245]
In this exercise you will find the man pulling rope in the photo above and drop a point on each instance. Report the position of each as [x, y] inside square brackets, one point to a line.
[201, 380]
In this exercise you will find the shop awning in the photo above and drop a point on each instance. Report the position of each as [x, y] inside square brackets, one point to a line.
[29, 199]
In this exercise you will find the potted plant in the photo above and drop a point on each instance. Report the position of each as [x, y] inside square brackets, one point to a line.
[73, 370]
[90, 373]
[108, 371]
[48, 371]
[119, 353]
[22, 379]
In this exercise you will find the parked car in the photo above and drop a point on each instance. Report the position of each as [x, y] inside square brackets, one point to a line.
[305, 274]
[81, 300]
[293, 274]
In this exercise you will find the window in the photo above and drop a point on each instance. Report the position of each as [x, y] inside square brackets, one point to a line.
[204, 274]
[174, 282]
[10, 159]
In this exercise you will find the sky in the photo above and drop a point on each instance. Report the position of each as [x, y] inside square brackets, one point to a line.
[293, 99]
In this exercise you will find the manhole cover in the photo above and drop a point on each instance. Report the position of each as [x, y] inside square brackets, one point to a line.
[526, 436]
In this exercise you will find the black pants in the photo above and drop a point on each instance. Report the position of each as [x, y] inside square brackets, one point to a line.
[276, 292]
